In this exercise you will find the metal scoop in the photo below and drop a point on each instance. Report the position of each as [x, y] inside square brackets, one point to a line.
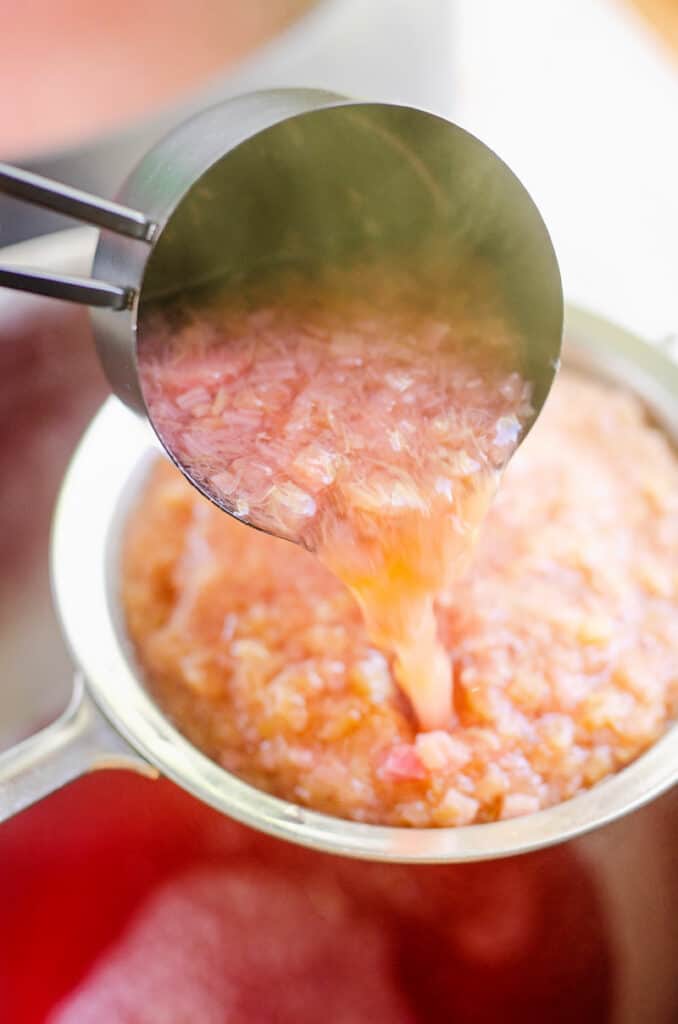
[304, 178]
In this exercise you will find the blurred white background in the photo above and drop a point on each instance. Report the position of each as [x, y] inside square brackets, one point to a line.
[581, 100]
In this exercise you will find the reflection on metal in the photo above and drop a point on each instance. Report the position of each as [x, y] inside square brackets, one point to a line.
[79, 741]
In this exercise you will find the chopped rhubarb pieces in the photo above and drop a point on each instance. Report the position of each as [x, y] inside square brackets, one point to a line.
[402, 762]
[565, 663]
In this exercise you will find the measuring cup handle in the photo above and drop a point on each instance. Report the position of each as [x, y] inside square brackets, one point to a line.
[73, 202]
[102, 213]
[79, 741]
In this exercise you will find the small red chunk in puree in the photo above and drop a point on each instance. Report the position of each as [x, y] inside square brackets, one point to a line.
[402, 762]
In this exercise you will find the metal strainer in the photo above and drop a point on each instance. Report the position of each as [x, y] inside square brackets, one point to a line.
[113, 722]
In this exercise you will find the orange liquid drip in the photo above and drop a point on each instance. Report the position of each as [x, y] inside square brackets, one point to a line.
[374, 440]
[397, 566]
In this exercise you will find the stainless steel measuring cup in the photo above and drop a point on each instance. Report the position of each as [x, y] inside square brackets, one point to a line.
[304, 178]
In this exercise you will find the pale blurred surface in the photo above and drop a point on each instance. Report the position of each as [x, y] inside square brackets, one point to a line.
[78, 68]
[580, 99]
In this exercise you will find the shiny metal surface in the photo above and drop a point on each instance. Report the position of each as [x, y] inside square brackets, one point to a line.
[39, 191]
[72, 202]
[196, 224]
[83, 290]
[300, 177]
[103, 479]
[79, 741]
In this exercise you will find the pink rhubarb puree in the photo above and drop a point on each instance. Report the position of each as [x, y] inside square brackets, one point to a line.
[560, 638]
[372, 436]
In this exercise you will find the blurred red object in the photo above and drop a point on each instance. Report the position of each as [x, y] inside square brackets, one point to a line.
[92, 876]
[73, 70]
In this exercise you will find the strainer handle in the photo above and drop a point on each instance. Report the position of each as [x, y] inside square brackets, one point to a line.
[90, 209]
[79, 741]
